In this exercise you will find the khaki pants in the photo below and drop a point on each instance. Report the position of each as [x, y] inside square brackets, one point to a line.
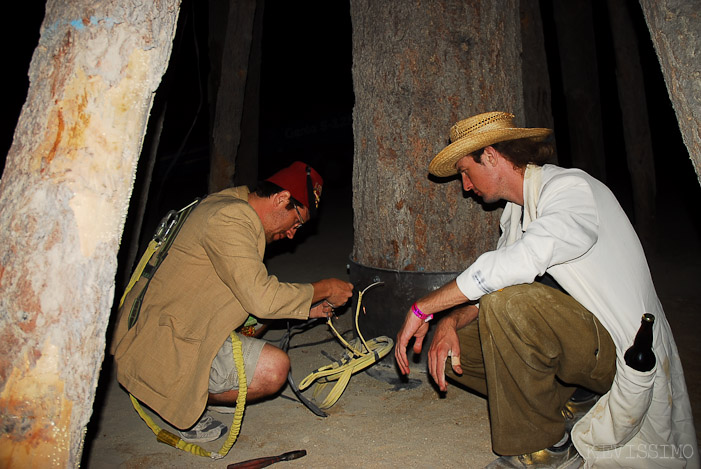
[223, 375]
[528, 349]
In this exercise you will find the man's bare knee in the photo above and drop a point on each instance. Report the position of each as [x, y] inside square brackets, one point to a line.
[271, 370]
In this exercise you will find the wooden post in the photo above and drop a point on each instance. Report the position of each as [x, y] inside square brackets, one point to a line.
[63, 200]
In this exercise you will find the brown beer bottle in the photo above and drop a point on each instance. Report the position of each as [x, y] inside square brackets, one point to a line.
[640, 355]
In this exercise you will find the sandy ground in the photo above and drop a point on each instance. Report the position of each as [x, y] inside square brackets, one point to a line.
[379, 421]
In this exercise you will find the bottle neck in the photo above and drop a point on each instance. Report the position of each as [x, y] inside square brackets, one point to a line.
[644, 334]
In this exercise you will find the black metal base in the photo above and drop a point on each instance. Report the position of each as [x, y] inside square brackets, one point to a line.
[387, 305]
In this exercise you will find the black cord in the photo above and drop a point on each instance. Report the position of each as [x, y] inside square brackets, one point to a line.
[285, 345]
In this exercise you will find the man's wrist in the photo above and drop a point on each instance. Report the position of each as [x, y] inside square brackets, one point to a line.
[321, 291]
[420, 314]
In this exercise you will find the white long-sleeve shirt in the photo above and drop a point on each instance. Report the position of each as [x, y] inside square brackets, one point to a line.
[572, 227]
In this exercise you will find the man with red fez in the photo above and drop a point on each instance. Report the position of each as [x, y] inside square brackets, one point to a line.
[177, 358]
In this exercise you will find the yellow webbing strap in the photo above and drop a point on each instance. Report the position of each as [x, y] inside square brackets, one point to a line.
[360, 355]
[163, 238]
[164, 436]
[136, 275]
[342, 370]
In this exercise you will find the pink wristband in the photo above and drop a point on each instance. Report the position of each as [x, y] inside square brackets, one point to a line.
[420, 314]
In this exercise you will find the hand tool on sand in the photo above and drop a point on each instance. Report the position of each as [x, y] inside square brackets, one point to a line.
[267, 461]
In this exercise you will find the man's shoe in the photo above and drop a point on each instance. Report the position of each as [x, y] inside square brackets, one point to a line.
[560, 457]
[577, 406]
[222, 409]
[207, 429]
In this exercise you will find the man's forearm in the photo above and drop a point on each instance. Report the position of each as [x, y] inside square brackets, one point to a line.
[447, 296]
[321, 290]
[461, 317]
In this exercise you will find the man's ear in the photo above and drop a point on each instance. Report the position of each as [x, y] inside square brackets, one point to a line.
[282, 198]
[490, 156]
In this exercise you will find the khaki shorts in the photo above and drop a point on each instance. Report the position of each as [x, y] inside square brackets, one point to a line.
[223, 375]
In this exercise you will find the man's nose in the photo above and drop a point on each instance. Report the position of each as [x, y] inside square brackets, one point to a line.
[466, 183]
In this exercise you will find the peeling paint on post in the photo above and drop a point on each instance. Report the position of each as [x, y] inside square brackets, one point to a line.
[63, 202]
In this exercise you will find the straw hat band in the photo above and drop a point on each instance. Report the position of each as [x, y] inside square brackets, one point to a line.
[492, 120]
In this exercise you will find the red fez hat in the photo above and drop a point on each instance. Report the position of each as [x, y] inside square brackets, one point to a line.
[303, 183]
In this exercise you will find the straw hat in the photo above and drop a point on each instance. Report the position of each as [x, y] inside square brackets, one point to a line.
[478, 132]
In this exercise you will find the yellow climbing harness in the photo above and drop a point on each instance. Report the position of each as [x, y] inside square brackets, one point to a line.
[360, 355]
[164, 436]
[150, 261]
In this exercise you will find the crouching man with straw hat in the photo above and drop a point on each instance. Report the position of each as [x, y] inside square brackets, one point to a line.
[549, 354]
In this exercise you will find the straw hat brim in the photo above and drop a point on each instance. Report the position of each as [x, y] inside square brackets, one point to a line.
[443, 164]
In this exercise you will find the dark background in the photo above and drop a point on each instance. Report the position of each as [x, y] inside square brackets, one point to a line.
[307, 100]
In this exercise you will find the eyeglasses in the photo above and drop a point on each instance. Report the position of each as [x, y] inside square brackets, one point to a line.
[299, 216]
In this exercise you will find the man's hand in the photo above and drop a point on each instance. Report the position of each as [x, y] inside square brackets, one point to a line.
[322, 310]
[412, 327]
[340, 292]
[335, 292]
[445, 344]
[445, 297]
